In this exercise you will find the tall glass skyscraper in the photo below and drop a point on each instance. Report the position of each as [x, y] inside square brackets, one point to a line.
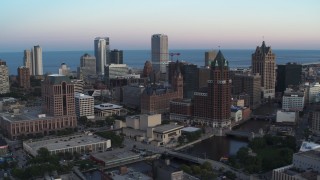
[101, 51]
[159, 52]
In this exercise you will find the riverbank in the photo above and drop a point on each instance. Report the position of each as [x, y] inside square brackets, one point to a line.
[207, 136]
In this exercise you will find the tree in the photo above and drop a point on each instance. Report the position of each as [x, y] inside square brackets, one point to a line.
[83, 120]
[186, 169]
[243, 154]
[206, 165]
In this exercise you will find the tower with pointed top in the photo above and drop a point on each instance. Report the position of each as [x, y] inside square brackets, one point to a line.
[212, 104]
[263, 62]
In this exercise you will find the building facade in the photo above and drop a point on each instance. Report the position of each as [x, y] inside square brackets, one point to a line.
[27, 60]
[249, 84]
[84, 105]
[212, 103]
[4, 78]
[64, 69]
[181, 109]
[288, 75]
[58, 96]
[132, 95]
[293, 100]
[24, 77]
[157, 100]
[102, 53]
[37, 66]
[315, 122]
[116, 56]
[159, 52]
[263, 62]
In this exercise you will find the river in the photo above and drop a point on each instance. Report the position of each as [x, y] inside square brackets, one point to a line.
[216, 147]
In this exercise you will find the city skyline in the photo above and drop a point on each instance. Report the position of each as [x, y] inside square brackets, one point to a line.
[72, 25]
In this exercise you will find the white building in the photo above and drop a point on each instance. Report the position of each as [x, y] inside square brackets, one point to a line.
[37, 66]
[101, 52]
[159, 52]
[64, 69]
[4, 78]
[314, 90]
[107, 109]
[287, 117]
[84, 105]
[307, 160]
[293, 100]
[236, 114]
[75, 143]
[78, 85]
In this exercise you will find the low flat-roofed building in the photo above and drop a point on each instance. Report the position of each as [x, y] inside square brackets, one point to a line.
[107, 109]
[80, 143]
[163, 134]
[287, 117]
[30, 121]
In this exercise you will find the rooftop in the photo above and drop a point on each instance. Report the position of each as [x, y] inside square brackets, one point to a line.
[107, 106]
[166, 128]
[26, 114]
[65, 142]
[131, 174]
[312, 154]
[58, 79]
[82, 96]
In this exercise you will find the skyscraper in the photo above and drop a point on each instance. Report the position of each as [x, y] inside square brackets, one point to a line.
[87, 67]
[27, 60]
[159, 52]
[101, 51]
[24, 77]
[263, 62]
[116, 57]
[58, 96]
[37, 67]
[4, 78]
[288, 75]
[212, 104]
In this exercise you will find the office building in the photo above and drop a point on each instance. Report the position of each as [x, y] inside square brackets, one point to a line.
[159, 52]
[116, 56]
[37, 66]
[212, 103]
[132, 95]
[84, 105]
[313, 90]
[204, 76]
[209, 56]
[107, 109]
[181, 109]
[4, 78]
[24, 77]
[190, 75]
[288, 76]
[64, 70]
[293, 100]
[27, 60]
[101, 52]
[78, 85]
[263, 62]
[58, 96]
[87, 70]
[156, 99]
[248, 84]
[315, 122]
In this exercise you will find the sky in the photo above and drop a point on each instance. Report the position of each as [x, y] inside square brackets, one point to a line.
[189, 24]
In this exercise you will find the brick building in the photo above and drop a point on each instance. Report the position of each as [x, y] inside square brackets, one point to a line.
[24, 77]
[212, 103]
[156, 99]
[181, 109]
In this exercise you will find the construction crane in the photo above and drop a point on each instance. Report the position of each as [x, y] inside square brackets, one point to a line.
[174, 54]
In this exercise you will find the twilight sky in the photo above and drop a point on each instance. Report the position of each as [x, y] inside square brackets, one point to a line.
[189, 24]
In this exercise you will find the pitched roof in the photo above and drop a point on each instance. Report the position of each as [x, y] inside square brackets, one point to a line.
[219, 61]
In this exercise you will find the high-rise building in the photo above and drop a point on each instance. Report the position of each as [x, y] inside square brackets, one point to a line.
[190, 76]
[101, 52]
[87, 68]
[37, 66]
[209, 57]
[58, 96]
[159, 52]
[64, 69]
[263, 62]
[212, 104]
[116, 56]
[84, 105]
[27, 60]
[288, 75]
[4, 78]
[249, 84]
[24, 77]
